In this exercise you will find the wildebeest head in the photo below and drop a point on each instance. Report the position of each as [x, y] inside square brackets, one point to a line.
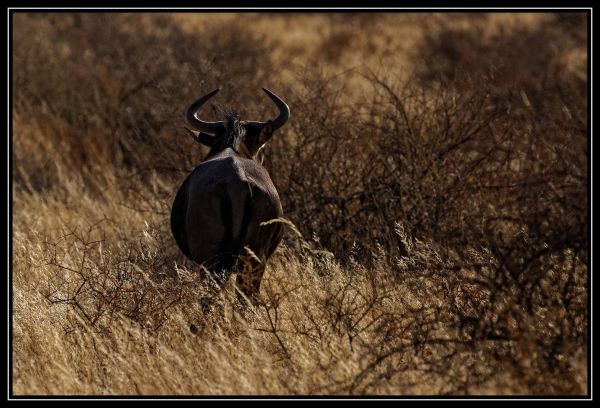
[244, 137]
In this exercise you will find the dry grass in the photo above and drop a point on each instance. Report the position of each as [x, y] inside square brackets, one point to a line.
[437, 190]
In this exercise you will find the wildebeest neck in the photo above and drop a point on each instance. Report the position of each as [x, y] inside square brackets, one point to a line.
[233, 137]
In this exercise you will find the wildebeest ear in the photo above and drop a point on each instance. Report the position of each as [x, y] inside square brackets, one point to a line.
[265, 133]
[202, 137]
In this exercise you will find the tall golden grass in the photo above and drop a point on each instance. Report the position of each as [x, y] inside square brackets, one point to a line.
[434, 175]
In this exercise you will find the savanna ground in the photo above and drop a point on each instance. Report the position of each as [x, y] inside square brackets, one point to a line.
[435, 170]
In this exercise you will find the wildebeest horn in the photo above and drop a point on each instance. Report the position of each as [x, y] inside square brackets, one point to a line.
[284, 110]
[210, 127]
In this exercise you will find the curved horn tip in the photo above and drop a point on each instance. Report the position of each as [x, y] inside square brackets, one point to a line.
[284, 109]
[209, 127]
[274, 95]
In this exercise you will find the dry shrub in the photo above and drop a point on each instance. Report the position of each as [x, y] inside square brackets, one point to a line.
[425, 324]
[100, 283]
[116, 106]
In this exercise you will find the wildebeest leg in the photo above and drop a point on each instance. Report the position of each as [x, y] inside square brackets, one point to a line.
[214, 275]
[217, 274]
[251, 269]
[249, 275]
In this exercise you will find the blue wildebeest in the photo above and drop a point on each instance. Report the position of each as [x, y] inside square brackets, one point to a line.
[218, 210]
